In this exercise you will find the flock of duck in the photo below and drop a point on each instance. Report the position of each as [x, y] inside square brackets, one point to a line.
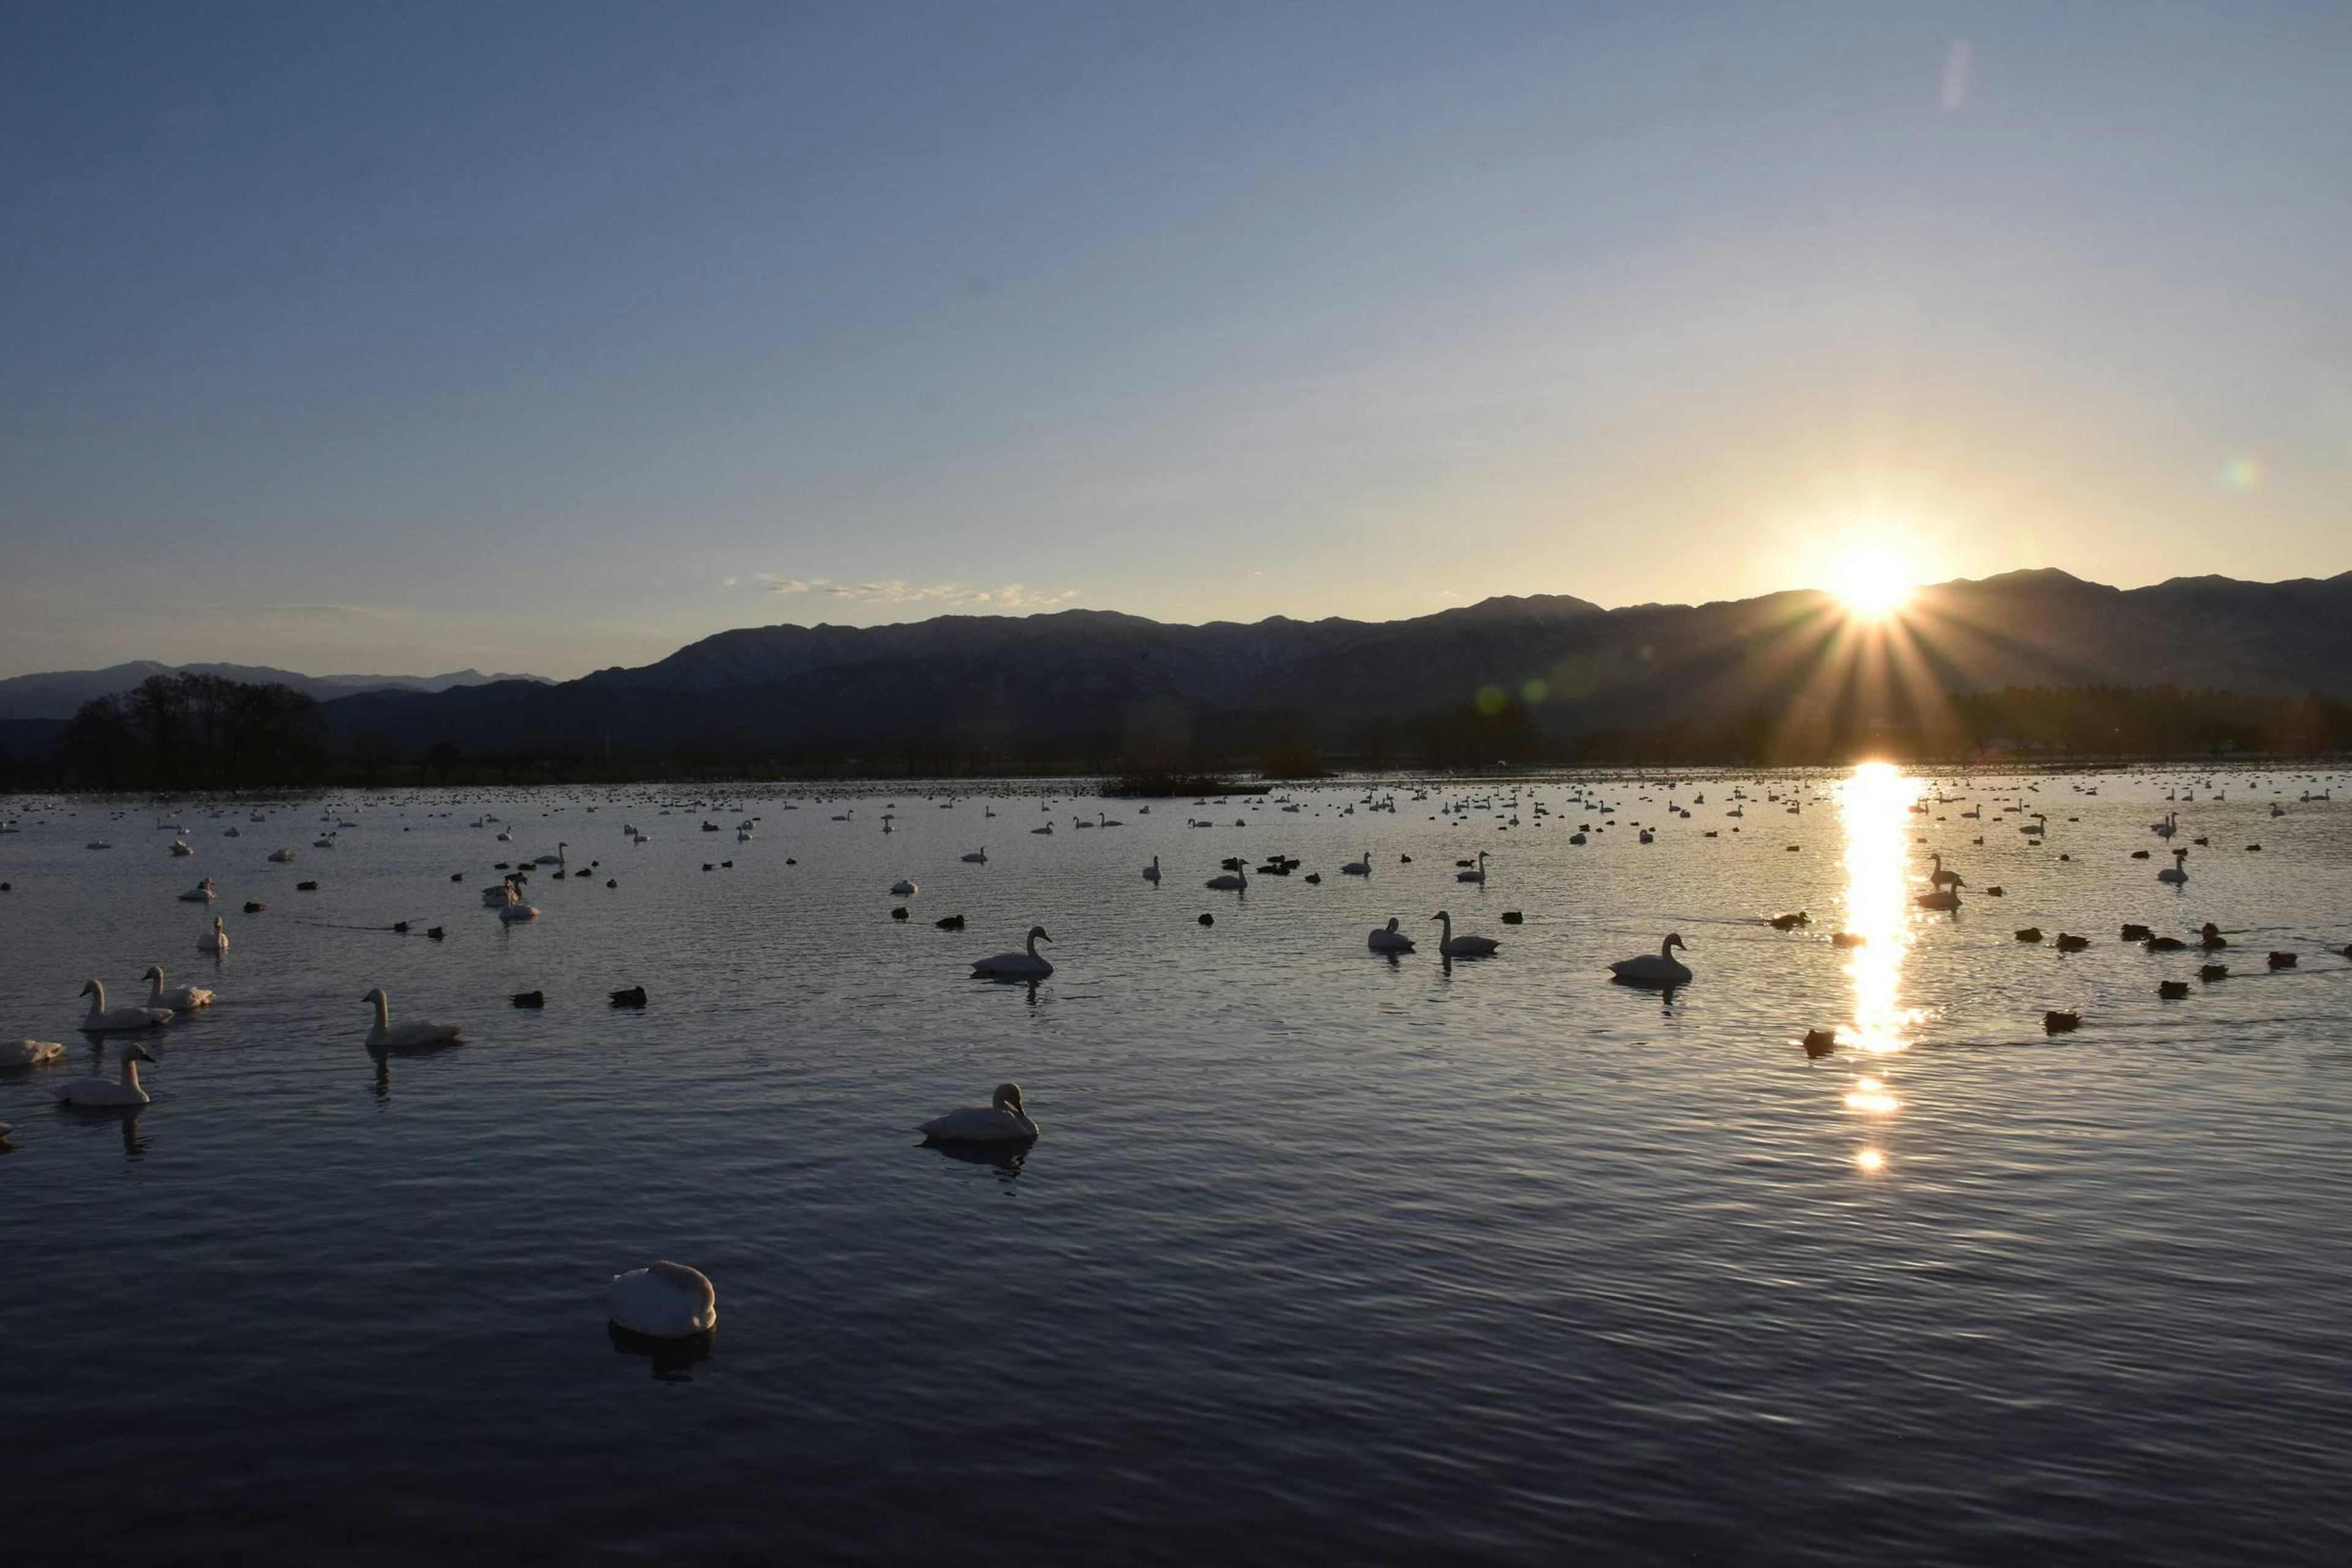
[667, 1300]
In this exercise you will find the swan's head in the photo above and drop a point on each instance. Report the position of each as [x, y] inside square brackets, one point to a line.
[1441, 915]
[137, 1054]
[1038, 933]
[93, 988]
[377, 996]
[1392, 923]
[1957, 881]
[154, 972]
[1673, 939]
[1008, 1097]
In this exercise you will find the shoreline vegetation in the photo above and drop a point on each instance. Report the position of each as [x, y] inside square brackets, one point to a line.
[184, 733]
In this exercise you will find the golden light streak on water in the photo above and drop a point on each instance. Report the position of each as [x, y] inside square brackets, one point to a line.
[1874, 807]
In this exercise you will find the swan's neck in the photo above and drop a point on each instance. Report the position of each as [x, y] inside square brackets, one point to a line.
[155, 991]
[130, 1072]
[1033, 944]
[383, 1012]
[1666, 950]
[97, 998]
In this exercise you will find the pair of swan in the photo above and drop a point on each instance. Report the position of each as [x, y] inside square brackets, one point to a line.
[1016, 965]
[97, 1093]
[1454, 946]
[179, 998]
[663, 1302]
[102, 1019]
[1388, 939]
[408, 1036]
[1659, 968]
[1002, 1120]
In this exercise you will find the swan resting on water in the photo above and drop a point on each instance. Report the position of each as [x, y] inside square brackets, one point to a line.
[408, 1036]
[1016, 965]
[215, 941]
[104, 1020]
[29, 1053]
[179, 998]
[1451, 946]
[663, 1302]
[1003, 1119]
[1659, 968]
[106, 1091]
[1388, 939]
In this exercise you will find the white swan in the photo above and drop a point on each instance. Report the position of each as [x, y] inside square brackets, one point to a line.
[201, 893]
[978, 857]
[105, 1091]
[1388, 939]
[663, 1302]
[554, 859]
[1362, 868]
[1233, 881]
[182, 849]
[1017, 965]
[216, 941]
[1454, 946]
[2177, 872]
[1659, 968]
[29, 1053]
[1002, 1120]
[904, 887]
[518, 911]
[1944, 898]
[506, 834]
[1151, 872]
[1479, 874]
[179, 998]
[103, 1020]
[280, 856]
[408, 1036]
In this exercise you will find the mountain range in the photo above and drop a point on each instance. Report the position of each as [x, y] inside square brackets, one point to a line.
[58, 693]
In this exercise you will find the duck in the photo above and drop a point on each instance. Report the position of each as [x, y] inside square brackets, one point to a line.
[408, 1036]
[1233, 881]
[2177, 872]
[2210, 972]
[1791, 921]
[179, 998]
[631, 997]
[1659, 968]
[1016, 965]
[1362, 868]
[2057, 1023]
[2172, 990]
[1820, 1043]
[1388, 939]
[103, 1020]
[29, 1053]
[663, 1301]
[1453, 946]
[1004, 1118]
[201, 893]
[1151, 872]
[530, 998]
[100, 1093]
[1848, 939]
[2210, 937]
[2069, 944]
[903, 888]
[1476, 874]
[2134, 932]
[949, 922]
[2281, 961]
[2164, 944]
[2028, 933]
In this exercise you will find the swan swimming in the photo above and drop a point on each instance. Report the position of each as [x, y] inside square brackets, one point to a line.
[1659, 968]
[1478, 875]
[408, 1036]
[2177, 872]
[180, 998]
[1151, 872]
[201, 893]
[1002, 1120]
[1362, 868]
[663, 1302]
[104, 1020]
[29, 1053]
[1016, 965]
[1937, 876]
[1388, 939]
[904, 887]
[978, 857]
[216, 941]
[105, 1091]
[1233, 881]
[1453, 946]
[1944, 898]
[280, 856]
[554, 859]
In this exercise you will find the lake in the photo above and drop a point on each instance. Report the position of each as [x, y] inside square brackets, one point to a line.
[1494, 1261]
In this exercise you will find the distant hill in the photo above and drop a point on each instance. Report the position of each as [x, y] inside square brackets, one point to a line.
[58, 694]
[1090, 682]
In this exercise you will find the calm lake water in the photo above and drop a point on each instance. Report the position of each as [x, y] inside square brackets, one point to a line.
[1318, 1251]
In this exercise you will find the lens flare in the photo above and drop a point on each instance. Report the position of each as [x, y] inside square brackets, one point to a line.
[1874, 581]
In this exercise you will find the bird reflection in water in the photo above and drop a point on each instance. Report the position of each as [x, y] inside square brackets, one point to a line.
[1007, 1156]
[672, 1359]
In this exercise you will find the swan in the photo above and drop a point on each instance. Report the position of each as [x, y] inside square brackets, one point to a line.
[1939, 877]
[1017, 965]
[1233, 881]
[408, 1036]
[1362, 868]
[1659, 968]
[29, 1053]
[180, 998]
[216, 941]
[280, 856]
[2177, 872]
[663, 1302]
[201, 893]
[182, 849]
[903, 888]
[518, 911]
[554, 859]
[1453, 946]
[1151, 872]
[104, 1020]
[1944, 898]
[105, 1091]
[1002, 1120]
[978, 857]
[2168, 827]
[1477, 875]
[506, 834]
[1388, 939]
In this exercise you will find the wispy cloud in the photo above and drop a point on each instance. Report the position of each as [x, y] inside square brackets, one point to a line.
[892, 591]
[342, 612]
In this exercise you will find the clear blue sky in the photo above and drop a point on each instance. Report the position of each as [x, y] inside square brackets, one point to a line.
[545, 337]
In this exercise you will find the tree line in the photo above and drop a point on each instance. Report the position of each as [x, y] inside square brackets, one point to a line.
[188, 731]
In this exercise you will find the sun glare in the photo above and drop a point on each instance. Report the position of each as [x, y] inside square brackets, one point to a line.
[1873, 582]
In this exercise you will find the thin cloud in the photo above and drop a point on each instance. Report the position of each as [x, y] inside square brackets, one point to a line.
[895, 591]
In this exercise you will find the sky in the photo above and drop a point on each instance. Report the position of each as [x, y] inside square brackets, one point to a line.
[547, 337]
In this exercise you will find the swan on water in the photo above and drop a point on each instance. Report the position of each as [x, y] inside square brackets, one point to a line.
[1388, 939]
[216, 941]
[1944, 898]
[506, 834]
[663, 1302]
[554, 859]
[29, 1053]
[1453, 946]
[2177, 872]
[978, 857]
[105, 1091]
[1003, 1119]
[1659, 968]
[1233, 881]
[182, 849]
[904, 887]
[1940, 878]
[408, 1036]
[1016, 965]
[1151, 872]
[201, 893]
[1362, 868]
[104, 1020]
[179, 998]
[280, 856]
[518, 911]
[1477, 875]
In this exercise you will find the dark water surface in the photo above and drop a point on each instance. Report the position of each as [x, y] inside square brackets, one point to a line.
[1318, 1251]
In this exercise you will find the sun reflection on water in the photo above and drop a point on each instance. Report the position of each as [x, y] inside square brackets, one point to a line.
[1874, 805]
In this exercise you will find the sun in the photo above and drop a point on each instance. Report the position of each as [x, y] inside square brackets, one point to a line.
[1874, 581]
